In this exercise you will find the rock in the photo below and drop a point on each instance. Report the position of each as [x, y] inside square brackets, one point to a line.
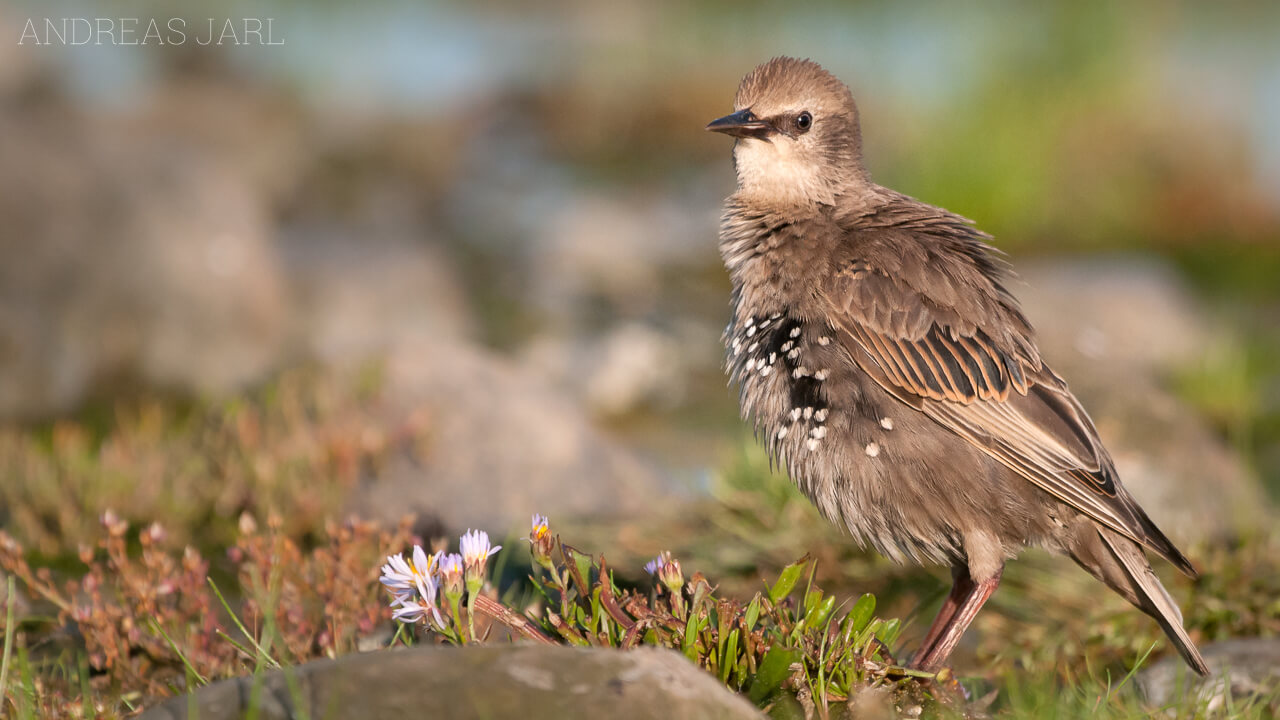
[358, 291]
[141, 249]
[1115, 328]
[626, 368]
[1109, 311]
[17, 63]
[500, 444]
[629, 288]
[126, 257]
[595, 249]
[1240, 668]
[200, 100]
[529, 682]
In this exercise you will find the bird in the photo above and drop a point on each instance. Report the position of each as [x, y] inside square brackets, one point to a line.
[884, 363]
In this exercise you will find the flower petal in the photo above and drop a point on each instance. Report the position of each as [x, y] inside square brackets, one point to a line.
[421, 565]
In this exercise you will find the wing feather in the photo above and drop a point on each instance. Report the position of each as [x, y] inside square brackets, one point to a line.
[982, 378]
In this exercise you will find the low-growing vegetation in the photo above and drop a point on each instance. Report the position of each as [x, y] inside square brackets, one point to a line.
[148, 618]
[138, 604]
[790, 648]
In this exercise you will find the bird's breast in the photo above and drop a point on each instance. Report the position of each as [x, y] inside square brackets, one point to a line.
[840, 438]
[796, 385]
[771, 357]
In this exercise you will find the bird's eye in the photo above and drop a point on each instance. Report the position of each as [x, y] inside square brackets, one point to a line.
[804, 121]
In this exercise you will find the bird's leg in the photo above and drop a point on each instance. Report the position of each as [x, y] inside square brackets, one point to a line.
[961, 607]
[961, 585]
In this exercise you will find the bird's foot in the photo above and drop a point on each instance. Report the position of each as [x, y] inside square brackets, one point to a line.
[946, 680]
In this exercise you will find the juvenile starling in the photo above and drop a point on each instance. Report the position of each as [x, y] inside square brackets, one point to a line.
[886, 365]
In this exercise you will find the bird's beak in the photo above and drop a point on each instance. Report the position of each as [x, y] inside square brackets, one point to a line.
[742, 124]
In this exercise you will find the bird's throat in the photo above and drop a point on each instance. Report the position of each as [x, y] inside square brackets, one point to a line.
[779, 173]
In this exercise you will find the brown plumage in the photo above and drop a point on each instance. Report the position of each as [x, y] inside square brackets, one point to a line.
[889, 369]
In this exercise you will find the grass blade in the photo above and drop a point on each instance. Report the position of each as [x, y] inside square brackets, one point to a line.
[8, 641]
[262, 652]
[155, 625]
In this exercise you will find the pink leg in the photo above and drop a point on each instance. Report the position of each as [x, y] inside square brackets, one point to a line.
[960, 608]
[961, 586]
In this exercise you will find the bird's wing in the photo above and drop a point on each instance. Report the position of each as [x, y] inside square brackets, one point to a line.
[955, 346]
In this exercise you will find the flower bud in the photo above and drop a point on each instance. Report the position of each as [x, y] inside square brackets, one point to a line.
[451, 576]
[541, 541]
[667, 570]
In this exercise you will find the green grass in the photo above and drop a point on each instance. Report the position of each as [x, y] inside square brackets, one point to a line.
[1040, 697]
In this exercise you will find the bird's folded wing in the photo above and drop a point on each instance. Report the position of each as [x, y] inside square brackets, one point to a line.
[982, 378]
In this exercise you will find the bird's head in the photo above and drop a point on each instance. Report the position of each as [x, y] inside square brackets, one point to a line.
[798, 137]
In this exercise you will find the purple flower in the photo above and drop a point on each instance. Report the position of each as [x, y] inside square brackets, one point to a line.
[451, 575]
[412, 586]
[476, 550]
[541, 528]
[667, 570]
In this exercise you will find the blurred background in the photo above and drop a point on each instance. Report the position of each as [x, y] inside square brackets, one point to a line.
[459, 259]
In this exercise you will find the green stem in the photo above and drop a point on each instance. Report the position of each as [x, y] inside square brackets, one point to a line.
[457, 619]
[9, 632]
[471, 615]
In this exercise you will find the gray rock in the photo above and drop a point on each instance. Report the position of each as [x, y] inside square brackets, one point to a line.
[615, 249]
[1115, 328]
[126, 256]
[1241, 668]
[499, 444]
[528, 682]
[1108, 311]
[359, 291]
[629, 367]
[140, 248]
[17, 62]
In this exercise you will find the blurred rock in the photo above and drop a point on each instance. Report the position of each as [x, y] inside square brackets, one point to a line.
[17, 64]
[623, 283]
[1241, 669]
[126, 257]
[253, 129]
[500, 444]
[529, 682]
[358, 291]
[142, 248]
[615, 249]
[1114, 328]
[626, 368]
[1113, 313]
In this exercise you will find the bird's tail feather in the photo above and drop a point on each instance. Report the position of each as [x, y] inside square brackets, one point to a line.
[1155, 600]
